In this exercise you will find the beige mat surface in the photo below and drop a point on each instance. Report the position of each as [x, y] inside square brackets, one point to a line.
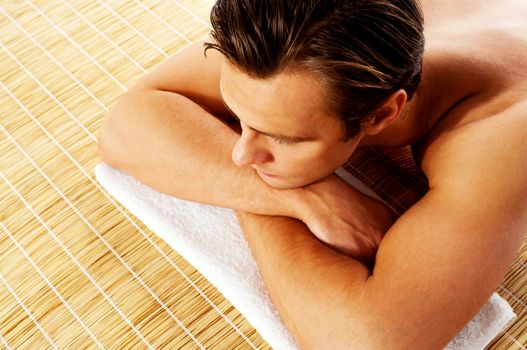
[77, 271]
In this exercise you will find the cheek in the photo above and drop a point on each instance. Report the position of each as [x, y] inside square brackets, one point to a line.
[303, 160]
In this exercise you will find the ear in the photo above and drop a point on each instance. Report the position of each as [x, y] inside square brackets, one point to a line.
[387, 113]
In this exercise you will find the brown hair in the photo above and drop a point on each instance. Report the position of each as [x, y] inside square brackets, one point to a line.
[362, 50]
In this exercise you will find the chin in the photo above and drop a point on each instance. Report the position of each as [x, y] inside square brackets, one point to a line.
[284, 184]
[279, 185]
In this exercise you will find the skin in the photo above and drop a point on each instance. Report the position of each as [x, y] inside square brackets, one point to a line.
[292, 102]
[436, 265]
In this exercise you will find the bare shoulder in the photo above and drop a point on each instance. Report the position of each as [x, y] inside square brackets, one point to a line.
[492, 149]
[461, 236]
[191, 72]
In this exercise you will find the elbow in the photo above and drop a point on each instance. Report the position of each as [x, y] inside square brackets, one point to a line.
[121, 134]
[354, 327]
[115, 127]
[342, 333]
[101, 141]
[110, 145]
[335, 341]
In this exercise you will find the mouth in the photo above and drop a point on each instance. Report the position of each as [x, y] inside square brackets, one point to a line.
[266, 174]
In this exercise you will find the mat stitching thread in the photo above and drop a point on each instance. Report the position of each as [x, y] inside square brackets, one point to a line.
[4, 341]
[21, 303]
[163, 52]
[199, 19]
[92, 136]
[69, 39]
[77, 262]
[51, 285]
[92, 26]
[164, 22]
[56, 61]
[95, 139]
[104, 192]
[105, 242]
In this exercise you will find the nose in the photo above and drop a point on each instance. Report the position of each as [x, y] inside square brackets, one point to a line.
[247, 151]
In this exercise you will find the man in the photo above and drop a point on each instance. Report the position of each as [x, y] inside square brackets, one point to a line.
[311, 82]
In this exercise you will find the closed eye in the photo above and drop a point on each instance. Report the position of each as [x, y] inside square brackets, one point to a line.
[282, 142]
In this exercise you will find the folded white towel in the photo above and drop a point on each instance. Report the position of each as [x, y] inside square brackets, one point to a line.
[211, 240]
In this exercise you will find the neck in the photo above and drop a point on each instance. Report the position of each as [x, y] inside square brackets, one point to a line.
[401, 132]
[443, 85]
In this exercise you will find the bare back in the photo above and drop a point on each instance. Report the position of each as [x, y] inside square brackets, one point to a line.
[482, 45]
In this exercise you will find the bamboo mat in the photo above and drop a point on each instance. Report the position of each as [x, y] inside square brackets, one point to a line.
[77, 270]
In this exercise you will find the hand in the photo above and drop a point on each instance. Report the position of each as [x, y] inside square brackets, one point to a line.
[344, 218]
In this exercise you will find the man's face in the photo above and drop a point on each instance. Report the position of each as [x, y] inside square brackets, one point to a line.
[288, 137]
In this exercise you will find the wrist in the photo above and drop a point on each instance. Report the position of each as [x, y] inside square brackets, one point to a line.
[301, 201]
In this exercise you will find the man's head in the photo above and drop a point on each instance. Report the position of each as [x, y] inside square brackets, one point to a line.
[324, 70]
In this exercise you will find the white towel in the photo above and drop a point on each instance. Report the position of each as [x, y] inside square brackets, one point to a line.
[211, 240]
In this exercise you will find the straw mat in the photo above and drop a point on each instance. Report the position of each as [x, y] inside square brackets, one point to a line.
[77, 270]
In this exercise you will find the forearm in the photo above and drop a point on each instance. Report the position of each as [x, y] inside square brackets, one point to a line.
[317, 291]
[176, 147]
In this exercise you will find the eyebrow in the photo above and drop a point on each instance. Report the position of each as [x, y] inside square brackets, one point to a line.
[276, 136]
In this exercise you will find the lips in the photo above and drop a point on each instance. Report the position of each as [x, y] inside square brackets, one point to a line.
[265, 174]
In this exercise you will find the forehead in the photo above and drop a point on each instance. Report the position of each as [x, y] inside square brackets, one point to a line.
[295, 89]
[293, 100]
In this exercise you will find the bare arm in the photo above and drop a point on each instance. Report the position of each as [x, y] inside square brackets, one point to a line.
[173, 145]
[435, 268]
[161, 133]
[167, 131]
